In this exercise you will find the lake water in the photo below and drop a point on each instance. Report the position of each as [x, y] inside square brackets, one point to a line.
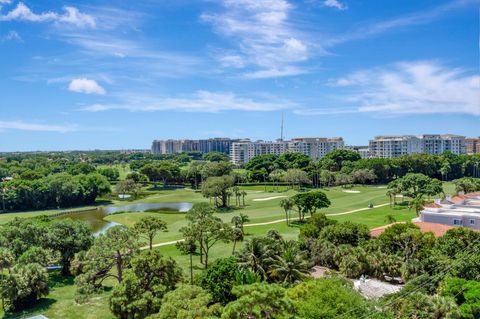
[97, 223]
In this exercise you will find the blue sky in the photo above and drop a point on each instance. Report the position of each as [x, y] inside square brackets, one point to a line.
[118, 74]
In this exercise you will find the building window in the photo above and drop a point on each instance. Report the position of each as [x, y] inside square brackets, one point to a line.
[472, 221]
[457, 221]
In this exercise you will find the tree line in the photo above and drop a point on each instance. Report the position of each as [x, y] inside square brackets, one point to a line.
[54, 191]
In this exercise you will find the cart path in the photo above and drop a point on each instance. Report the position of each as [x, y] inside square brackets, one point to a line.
[272, 222]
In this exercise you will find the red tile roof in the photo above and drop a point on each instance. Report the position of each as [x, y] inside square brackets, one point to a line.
[437, 229]
[474, 194]
[458, 198]
[433, 205]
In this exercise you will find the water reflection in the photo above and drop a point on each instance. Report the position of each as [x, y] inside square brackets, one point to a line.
[97, 223]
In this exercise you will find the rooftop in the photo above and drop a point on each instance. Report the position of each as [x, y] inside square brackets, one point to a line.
[373, 288]
[437, 229]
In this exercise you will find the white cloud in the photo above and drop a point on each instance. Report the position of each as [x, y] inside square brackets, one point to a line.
[235, 61]
[12, 36]
[356, 78]
[335, 4]
[86, 86]
[415, 88]
[416, 18]
[264, 37]
[200, 101]
[75, 17]
[25, 126]
[274, 73]
[71, 16]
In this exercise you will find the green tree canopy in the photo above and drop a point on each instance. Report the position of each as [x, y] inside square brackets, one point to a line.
[219, 279]
[258, 301]
[145, 282]
[217, 187]
[148, 227]
[186, 302]
[216, 157]
[329, 298]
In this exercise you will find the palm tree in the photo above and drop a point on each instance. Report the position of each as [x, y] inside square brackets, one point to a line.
[239, 221]
[287, 205]
[417, 204]
[443, 307]
[390, 193]
[255, 256]
[389, 219]
[236, 191]
[445, 169]
[237, 236]
[243, 193]
[289, 267]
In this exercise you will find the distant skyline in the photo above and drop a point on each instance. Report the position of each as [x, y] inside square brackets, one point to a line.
[101, 75]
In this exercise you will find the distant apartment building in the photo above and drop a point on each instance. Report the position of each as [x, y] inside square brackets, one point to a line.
[170, 146]
[315, 147]
[244, 151]
[364, 151]
[461, 210]
[394, 146]
[472, 145]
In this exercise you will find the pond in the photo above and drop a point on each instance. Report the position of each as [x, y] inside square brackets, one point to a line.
[97, 224]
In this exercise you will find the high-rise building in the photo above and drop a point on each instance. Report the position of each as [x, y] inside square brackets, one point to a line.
[315, 147]
[203, 146]
[244, 151]
[472, 145]
[362, 150]
[394, 146]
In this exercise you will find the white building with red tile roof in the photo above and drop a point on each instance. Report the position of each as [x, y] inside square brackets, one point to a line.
[461, 210]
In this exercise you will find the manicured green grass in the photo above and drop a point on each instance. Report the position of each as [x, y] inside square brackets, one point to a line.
[260, 206]
[60, 303]
[376, 217]
[123, 169]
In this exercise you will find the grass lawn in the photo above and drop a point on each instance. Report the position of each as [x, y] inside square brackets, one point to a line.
[60, 303]
[376, 217]
[123, 169]
[260, 206]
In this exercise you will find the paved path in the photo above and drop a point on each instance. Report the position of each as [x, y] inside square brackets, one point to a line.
[273, 222]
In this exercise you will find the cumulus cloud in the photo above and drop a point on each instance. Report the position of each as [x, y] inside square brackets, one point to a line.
[422, 87]
[264, 37]
[71, 16]
[335, 4]
[200, 101]
[86, 86]
[26, 126]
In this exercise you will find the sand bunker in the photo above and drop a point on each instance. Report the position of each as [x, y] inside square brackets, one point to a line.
[267, 198]
[350, 191]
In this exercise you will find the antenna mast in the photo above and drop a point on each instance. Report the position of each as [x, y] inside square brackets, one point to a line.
[281, 129]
